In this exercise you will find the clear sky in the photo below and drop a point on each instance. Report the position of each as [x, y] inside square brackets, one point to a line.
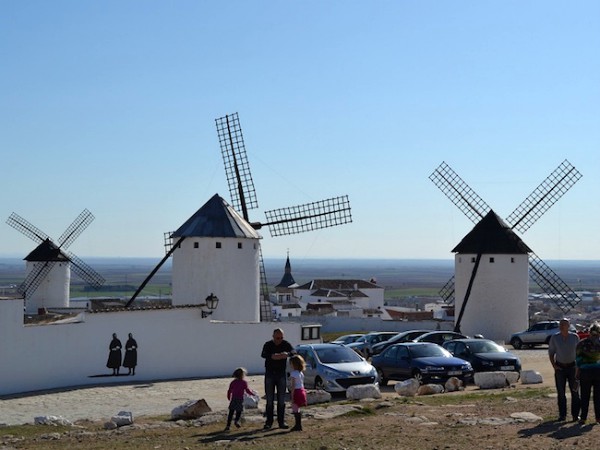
[110, 106]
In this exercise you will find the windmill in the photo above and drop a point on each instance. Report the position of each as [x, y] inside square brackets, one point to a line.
[491, 231]
[50, 264]
[283, 221]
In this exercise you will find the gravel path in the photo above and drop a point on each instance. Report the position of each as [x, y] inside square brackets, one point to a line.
[159, 398]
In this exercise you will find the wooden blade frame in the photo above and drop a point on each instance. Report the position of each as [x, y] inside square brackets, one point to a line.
[310, 216]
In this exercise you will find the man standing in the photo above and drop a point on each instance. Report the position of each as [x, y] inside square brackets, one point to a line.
[561, 351]
[276, 353]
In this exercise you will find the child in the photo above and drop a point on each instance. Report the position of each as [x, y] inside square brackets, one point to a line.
[235, 395]
[297, 387]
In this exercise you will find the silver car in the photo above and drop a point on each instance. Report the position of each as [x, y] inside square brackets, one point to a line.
[334, 367]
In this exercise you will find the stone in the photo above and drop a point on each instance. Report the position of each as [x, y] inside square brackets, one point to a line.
[491, 380]
[317, 396]
[526, 417]
[122, 418]
[430, 389]
[531, 377]
[361, 391]
[407, 388]
[512, 377]
[52, 420]
[110, 425]
[453, 384]
[190, 410]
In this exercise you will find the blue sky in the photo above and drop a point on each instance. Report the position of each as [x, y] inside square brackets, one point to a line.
[110, 106]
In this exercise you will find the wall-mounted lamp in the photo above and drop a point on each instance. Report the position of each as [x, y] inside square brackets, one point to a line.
[211, 303]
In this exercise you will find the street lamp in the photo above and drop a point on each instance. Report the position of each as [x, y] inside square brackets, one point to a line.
[211, 303]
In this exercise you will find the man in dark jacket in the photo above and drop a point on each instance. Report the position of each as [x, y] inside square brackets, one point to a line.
[276, 353]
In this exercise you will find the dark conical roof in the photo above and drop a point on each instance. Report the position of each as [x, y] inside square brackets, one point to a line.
[287, 280]
[491, 235]
[216, 219]
[46, 251]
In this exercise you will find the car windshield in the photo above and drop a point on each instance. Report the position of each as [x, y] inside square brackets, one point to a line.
[333, 355]
[485, 347]
[424, 351]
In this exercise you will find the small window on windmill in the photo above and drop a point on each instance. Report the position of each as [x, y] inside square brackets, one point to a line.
[195, 245]
[239, 245]
[459, 259]
[512, 259]
[473, 259]
[218, 245]
[491, 259]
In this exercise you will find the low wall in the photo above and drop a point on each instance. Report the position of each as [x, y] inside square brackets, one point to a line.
[366, 324]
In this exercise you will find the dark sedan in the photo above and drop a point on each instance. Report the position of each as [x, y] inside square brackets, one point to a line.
[439, 337]
[405, 336]
[421, 360]
[484, 355]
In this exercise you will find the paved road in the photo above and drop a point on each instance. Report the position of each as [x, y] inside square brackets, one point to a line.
[159, 398]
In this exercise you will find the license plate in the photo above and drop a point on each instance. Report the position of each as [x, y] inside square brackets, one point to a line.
[507, 367]
[454, 372]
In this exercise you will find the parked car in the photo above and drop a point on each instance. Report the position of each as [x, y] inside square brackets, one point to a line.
[424, 361]
[405, 336]
[439, 337]
[334, 367]
[347, 339]
[537, 334]
[484, 355]
[365, 344]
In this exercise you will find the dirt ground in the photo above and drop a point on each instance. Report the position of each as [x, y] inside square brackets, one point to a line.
[519, 417]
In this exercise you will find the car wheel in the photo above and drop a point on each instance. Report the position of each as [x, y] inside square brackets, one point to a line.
[319, 384]
[382, 380]
[516, 343]
[417, 375]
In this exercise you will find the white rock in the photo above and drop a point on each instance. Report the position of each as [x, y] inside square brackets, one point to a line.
[491, 380]
[361, 391]
[531, 377]
[110, 425]
[512, 377]
[430, 389]
[407, 388]
[317, 396]
[526, 417]
[453, 384]
[190, 410]
[52, 420]
[122, 418]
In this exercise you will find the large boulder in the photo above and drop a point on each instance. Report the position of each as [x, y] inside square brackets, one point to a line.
[190, 410]
[122, 418]
[430, 389]
[361, 391]
[531, 377]
[317, 396]
[491, 380]
[407, 388]
[453, 384]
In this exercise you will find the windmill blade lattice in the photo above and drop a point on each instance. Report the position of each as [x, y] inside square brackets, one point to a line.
[310, 216]
[544, 196]
[84, 271]
[237, 169]
[459, 192]
[29, 230]
[447, 291]
[35, 278]
[552, 284]
[75, 229]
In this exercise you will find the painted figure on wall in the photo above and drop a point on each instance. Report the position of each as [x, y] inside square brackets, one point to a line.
[130, 360]
[114, 354]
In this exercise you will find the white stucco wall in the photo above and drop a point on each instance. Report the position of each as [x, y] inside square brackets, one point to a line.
[53, 291]
[174, 343]
[498, 303]
[231, 273]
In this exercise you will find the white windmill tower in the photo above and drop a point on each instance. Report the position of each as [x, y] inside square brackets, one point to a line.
[216, 252]
[48, 270]
[493, 265]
